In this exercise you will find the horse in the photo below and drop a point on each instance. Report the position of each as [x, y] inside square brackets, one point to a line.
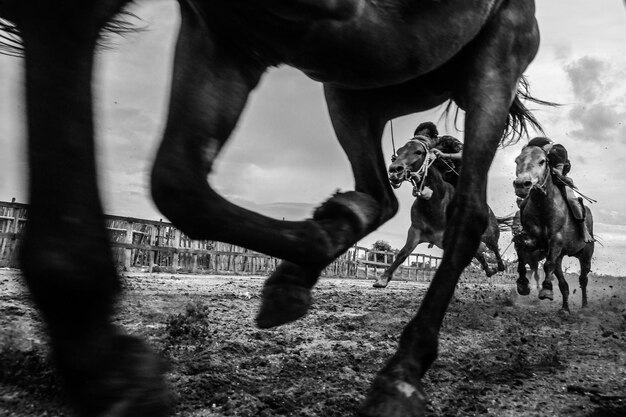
[415, 163]
[549, 225]
[376, 60]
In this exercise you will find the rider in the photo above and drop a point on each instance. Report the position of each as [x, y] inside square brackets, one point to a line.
[560, 167]
[447, 149]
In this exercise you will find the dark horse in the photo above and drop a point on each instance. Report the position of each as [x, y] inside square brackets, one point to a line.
[377, 61]
[549, 225]
[415, 163]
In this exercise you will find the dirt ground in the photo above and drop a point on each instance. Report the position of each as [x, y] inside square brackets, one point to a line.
[500, 354]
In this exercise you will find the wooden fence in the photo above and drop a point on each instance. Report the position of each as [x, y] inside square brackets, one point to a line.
[142, 245]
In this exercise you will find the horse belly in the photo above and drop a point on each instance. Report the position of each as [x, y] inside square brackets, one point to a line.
[381, 43]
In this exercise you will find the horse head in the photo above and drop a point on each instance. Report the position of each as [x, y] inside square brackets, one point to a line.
[531, 170]
[408, 162]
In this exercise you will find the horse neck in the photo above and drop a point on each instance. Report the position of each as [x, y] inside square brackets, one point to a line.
[435, 181]
[550, 202]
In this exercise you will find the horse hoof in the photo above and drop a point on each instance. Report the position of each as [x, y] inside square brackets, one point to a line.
[523, 289]
[546, 294]
[381, 282]
[283, 303]
[130, 383]
[564, 311]
[393, 398]
[360, 208]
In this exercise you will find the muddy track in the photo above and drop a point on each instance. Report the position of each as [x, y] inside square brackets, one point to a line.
[500, 354]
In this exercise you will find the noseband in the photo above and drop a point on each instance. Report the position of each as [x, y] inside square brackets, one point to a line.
[418, 178]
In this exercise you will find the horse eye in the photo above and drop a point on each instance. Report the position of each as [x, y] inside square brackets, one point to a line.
[418, 152]
[543, 161]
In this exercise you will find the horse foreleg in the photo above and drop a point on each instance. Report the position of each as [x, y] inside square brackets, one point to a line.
[412, 240]
[546, 287]
[211, 84]
[522, 278]
[563, 286]
[65, 254]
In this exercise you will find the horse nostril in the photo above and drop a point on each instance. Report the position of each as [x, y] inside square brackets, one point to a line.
[528, 183]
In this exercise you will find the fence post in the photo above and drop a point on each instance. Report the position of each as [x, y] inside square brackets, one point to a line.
[128, 239]
[176, 254]
[195, 244]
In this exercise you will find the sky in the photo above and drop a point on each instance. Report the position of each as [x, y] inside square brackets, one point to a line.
[283, 158]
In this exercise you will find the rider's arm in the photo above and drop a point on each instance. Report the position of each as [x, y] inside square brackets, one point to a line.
[456, 155]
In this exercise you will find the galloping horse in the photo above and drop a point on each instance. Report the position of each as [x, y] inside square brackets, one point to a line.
[415, 163]
[549, 225]
[377, 61]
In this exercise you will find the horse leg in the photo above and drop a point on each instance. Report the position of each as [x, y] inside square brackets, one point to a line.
[546, 288]
[585, 268]
[487, 96]
[534, 267]
[491, 238]
[359, 127]
[522, 280]
[496, 251]
[412, 240]
[563, 286]
[65, 254]
[482, 259]
[211, 84]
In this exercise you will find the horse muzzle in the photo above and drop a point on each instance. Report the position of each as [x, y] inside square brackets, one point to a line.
[522, 187]
[395, 182]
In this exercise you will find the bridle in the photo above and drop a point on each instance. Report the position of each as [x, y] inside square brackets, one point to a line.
[418, 178]
[547, 173]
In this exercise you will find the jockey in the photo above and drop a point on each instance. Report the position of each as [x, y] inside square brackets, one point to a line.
[447, 149]
[560, 167]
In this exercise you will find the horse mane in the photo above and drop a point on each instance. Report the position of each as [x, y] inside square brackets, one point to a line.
[519, 119]
[121, 24]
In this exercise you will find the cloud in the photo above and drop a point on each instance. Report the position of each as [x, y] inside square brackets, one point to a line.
[586, 74]
[594, 85]
[598, 121]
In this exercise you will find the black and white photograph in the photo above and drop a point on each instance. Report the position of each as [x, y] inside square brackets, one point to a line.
[312, 208]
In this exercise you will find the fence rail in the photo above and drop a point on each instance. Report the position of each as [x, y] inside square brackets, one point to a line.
[157, 246]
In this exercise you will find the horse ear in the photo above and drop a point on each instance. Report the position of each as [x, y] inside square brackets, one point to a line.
[394, 157]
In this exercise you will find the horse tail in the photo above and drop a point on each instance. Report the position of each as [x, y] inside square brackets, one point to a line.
[122, 24]
[10, 40]
[520, 118]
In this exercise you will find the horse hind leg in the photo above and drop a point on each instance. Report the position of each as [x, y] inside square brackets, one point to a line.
[585, 268]
[412, 240]
[65, 254]
[487, 93]
[482, 259]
